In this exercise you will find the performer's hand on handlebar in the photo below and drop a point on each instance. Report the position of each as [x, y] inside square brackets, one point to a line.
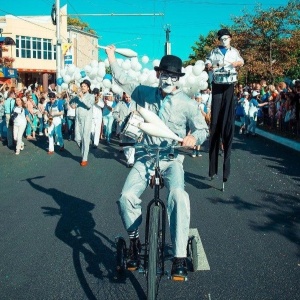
[189, 141]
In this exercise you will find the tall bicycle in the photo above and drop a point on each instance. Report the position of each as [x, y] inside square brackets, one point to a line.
[153, 255]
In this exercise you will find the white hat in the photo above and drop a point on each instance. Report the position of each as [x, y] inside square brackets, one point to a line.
[108, 94]
[245, 93]
[255, 93]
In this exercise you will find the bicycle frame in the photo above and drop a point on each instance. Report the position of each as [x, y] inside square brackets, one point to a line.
[158, 202]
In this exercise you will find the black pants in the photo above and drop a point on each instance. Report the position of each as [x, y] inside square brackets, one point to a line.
[221, 127]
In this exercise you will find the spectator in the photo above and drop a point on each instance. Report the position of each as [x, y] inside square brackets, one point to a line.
[40, 114]
[2, 118]
[9, 104]
[253, 108]
[244, 103]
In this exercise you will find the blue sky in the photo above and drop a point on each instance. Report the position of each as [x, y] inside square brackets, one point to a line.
[146, 34]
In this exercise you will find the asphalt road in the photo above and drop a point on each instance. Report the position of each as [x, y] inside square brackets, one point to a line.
[59, 220]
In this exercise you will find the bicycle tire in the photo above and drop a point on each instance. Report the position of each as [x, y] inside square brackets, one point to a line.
[153, 255]
[121, 255]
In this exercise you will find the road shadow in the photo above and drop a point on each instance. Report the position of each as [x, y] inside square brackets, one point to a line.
[93, 252]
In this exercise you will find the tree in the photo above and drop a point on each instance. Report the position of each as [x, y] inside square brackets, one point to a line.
[267, 40]
[80, 25]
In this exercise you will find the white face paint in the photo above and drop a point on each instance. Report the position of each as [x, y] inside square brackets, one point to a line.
[225, 40]
[167, 82]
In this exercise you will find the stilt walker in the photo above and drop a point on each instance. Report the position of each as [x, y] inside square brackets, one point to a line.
[222, 63]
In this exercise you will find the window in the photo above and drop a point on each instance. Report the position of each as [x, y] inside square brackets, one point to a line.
[32, 47]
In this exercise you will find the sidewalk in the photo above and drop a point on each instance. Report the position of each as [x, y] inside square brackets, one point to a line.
[276, 138]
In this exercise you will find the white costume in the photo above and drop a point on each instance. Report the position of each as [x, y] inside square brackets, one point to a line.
[97, 121]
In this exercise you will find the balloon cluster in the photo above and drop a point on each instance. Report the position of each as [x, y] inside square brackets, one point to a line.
[195, 77]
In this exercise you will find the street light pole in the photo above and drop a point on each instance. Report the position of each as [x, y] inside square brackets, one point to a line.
[167, 28]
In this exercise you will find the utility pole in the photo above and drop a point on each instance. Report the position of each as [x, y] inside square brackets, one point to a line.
[58, 42]
[167, 43]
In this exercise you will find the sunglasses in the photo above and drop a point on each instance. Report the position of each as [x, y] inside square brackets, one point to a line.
[165, 76]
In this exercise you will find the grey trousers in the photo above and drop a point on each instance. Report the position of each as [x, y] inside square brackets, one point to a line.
[178, 203]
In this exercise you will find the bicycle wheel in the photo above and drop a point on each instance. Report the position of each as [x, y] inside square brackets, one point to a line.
[153, 259]
[121, 255]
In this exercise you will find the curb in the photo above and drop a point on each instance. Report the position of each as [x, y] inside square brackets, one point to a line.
[278, 139]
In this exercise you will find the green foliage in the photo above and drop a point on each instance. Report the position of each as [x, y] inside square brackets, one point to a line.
[269, 42]
[76, 22]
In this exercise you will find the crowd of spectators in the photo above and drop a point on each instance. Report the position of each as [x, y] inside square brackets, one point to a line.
[273, 107]
[277, 107]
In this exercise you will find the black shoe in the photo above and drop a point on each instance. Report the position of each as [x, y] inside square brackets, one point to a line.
[94, 147]
[133, 257]
[129, 165]
[179, 269]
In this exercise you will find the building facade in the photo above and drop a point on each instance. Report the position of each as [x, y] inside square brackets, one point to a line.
[34, 52]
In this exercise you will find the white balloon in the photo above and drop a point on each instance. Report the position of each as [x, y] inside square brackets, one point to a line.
[71, 69]
[155, 63]
[106, 83]
[203, 76]
[101, 72]
[77, 76]
[188, 69]
[64, 86]
[145, 59]
[203, 85]
[126, 65]
[138, 67]
[62, 72]
[87, 68]
[94, 63]
[146, 70]
[67, 78]
[197, 69]
[152, 77]
[191, 79]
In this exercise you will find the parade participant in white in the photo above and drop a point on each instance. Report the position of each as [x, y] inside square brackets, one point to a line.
[176, 110]
[83, 122]
[97, 118]
[20, 123]
[54, 111]
[121, 111]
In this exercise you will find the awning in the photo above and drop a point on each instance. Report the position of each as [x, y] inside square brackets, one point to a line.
[36, 70]
[7, 41]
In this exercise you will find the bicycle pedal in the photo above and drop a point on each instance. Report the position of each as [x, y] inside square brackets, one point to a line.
[179, 278]
[132, 269]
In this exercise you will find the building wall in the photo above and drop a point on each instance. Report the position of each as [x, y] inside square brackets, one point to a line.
[84, 44]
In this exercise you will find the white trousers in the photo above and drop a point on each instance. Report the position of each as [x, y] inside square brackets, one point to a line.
[95, 130]
[18, 135]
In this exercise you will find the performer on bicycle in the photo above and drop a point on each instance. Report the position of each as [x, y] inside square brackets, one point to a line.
[223, 59]
[177, 111]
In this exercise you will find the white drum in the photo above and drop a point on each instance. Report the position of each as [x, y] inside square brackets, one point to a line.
[131, 128]
[224, 77]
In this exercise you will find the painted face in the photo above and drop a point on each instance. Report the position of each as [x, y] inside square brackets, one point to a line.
[167, 81]
[225, 40]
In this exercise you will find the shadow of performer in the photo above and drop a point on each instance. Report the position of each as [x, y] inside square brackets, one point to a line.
[76, 228]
